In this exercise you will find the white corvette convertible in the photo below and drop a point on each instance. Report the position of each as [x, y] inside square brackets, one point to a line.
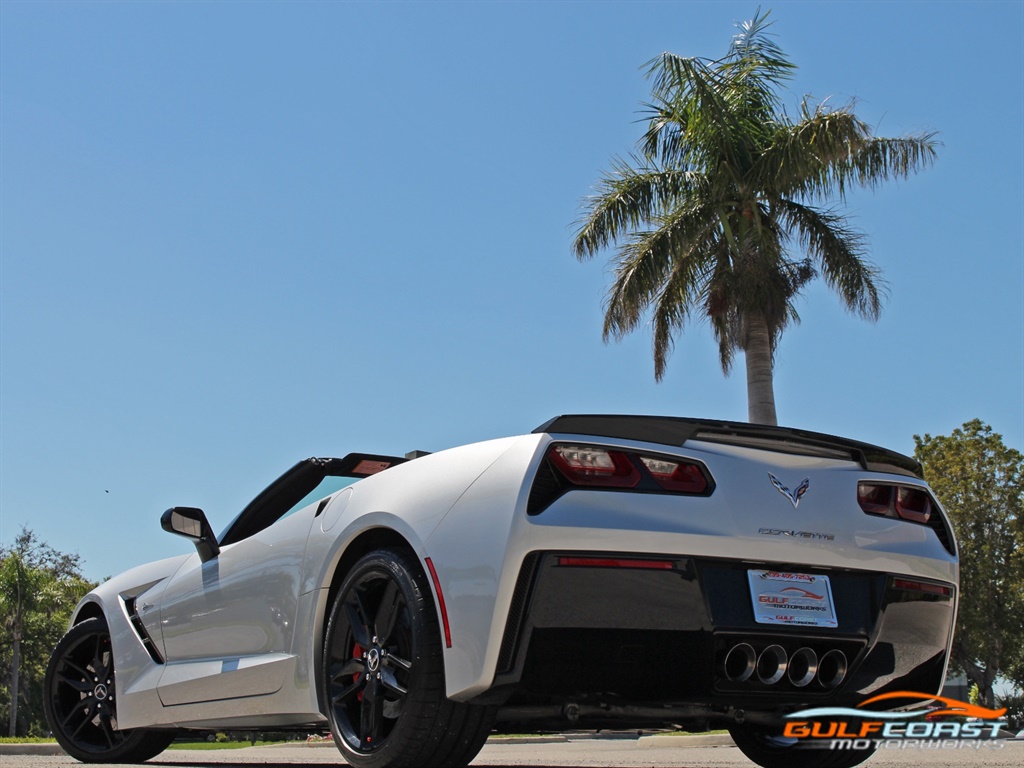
[599, 572]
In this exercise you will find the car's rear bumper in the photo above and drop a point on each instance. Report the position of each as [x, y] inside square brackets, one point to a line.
[643, 634]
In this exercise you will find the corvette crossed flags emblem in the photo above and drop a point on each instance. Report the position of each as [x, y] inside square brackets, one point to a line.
[793, 496]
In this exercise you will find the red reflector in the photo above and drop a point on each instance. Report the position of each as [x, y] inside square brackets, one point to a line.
[584, 465]
[922, 586]
[440, 602]
[611, 562]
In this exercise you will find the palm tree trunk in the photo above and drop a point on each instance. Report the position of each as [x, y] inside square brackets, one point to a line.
[760, 390]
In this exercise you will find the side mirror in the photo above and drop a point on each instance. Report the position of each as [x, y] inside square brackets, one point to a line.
[192, 524]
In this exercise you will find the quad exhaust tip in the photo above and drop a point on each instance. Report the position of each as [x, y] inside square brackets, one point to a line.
[743, 662]
[832, 669]
[803, 666]
[771, 664]
[740, 662]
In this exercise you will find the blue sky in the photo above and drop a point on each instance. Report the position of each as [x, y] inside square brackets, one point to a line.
[237, 234]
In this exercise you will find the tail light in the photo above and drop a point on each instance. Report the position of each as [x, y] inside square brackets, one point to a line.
[875, 499]
[913, 504]
[905, 502]
[573, 466]
[584, 465]
[677, 476]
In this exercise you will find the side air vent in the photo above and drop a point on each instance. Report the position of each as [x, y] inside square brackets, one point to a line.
[546, 488]
[516, 611]
[140, 629]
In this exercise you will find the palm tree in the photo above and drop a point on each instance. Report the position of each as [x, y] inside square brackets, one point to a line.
[706, 214]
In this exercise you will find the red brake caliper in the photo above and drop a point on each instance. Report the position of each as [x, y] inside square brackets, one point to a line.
[357, 653]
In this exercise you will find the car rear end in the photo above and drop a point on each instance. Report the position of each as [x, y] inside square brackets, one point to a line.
[674, 570]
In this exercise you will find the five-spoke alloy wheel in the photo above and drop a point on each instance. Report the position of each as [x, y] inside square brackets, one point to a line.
[384, 672]
[81, 701]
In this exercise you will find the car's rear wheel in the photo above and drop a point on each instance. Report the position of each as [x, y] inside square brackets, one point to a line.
[81, 701]
[769, 749]
[384, 672]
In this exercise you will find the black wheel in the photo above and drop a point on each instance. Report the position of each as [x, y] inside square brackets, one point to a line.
[81, 702]
[384, 672]
[769, 749]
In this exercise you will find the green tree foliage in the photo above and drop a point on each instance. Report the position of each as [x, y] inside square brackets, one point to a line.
[980, 483]
[718, 215]
[39, 587]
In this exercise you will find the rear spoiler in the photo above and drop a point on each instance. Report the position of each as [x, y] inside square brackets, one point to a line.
[676, 431]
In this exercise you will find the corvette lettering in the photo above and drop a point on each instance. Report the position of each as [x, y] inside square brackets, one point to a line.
[815, 535]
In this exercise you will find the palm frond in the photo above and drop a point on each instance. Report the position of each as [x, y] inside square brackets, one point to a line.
[754, 44]
[720, 308]
[665, 139]
[830, 149]
[644, 264]
[694, 95]
[753, 69]
[630, 196]
[839, 252]
[812, 157]
[881, 159]
[681, 295]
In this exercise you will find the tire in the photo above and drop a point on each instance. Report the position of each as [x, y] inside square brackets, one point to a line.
[770, 750]
[384, 684]
[81, 706]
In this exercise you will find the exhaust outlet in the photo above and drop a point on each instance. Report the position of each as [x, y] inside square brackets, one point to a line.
[739, 663]
[803, 666]
[771, 664]
[832, 669]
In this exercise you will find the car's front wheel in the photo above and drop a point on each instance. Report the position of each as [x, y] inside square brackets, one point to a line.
[81, 701]
[769, 749]
[384, 672]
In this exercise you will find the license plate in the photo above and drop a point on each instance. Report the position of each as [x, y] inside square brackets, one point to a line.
[799, 599]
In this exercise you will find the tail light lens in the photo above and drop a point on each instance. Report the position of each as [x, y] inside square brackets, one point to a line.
[595, 467]
[890, 500]
[677, 476]
[875, 499]
[913, 504]
[585, 465]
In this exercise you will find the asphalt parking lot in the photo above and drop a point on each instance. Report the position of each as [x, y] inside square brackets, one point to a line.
[584, 751]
